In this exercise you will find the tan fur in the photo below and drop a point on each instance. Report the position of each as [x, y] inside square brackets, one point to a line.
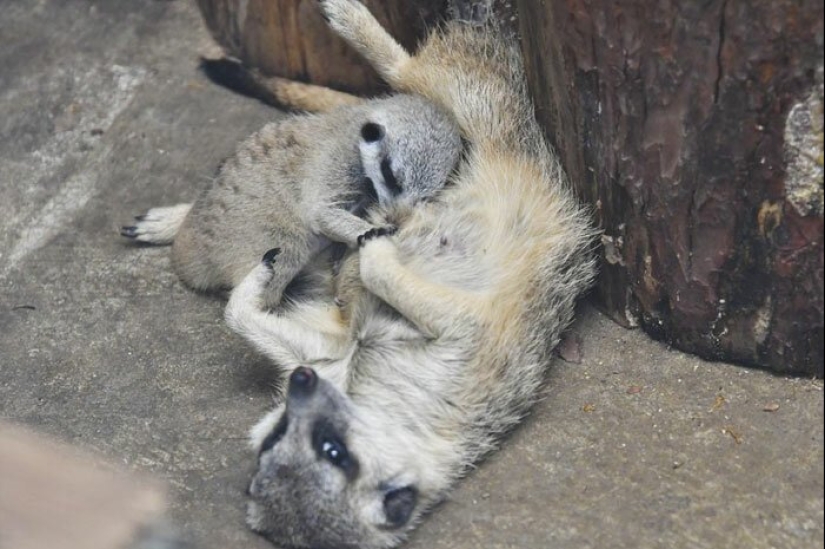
[451, 325]
[303, 182]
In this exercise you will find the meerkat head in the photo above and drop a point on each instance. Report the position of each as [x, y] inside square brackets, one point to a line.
[408, 148]
[316, 485]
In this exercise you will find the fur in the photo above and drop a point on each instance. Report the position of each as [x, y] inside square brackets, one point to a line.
[442, 331]
[304, 182]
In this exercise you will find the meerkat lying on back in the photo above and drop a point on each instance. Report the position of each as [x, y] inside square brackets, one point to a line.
[449, 322]
[303, 182]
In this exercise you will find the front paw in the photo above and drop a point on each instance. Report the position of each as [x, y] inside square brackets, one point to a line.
[376, 232]
[247, 298]
[341, 15]
[331, 8]
[269, 257]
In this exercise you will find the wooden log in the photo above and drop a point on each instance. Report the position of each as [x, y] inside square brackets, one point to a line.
[289, 38]
[695, 130]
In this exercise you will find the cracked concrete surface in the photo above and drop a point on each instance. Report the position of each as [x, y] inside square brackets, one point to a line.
[103, 115]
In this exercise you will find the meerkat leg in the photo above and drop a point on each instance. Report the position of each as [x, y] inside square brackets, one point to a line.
[339, 225]
[314, 337]
[352, 21]
[435, 309]
[158, 225]
[284, 271]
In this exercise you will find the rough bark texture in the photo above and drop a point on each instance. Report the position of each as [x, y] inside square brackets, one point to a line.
[695, 129]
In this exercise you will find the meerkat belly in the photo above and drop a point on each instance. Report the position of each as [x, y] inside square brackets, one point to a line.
[448, 246]
[378, 327]
[398, 353]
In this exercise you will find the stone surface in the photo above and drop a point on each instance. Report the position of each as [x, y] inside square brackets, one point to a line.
[103, 115]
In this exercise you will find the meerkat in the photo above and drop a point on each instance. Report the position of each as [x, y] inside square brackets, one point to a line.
[449, 323]
[305, 182]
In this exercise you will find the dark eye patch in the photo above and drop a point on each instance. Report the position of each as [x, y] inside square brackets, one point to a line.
[389, 178]
[277, 434]
[329, 445]
[372, 132]
[369, 190]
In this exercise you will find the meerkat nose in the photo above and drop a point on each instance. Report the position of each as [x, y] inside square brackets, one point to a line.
[302, 381]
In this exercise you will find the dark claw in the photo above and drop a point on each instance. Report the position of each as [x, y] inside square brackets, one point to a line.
[129, 232]
[375, 233]
[269, 257]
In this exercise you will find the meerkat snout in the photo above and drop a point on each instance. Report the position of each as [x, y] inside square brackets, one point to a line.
[302, 382]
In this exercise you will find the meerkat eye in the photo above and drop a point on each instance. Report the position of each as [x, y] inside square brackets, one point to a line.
[330, 448]
[276, 435]
[372, 132]
[335, 452]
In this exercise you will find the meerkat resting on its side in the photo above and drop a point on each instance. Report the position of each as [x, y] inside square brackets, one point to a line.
[449, 323]
[304, 182]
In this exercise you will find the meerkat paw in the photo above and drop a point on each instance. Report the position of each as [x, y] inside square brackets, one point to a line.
[158, 225]
[376, 232]
[254, 283]
[269, 257]
[376, 254]
[341, 14]
[247, 298]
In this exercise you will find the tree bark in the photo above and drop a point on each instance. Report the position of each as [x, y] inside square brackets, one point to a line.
[695, 130]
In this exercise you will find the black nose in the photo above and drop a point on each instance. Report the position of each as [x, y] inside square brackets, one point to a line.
[302, 381]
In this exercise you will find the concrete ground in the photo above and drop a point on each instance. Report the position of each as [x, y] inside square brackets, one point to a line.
[103, 115]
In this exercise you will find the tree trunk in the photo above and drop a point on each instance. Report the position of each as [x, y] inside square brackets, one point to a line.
[695, 129]
[289, 38]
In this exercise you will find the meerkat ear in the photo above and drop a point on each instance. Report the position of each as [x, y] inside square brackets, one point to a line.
[399, 505]
[372, 132]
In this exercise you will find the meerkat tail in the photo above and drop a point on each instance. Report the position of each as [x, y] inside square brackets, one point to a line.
[273, 90]
[158, 225]
[308, 97]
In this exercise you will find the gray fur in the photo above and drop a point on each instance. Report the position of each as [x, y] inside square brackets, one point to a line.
[300, 184]
[444, 330]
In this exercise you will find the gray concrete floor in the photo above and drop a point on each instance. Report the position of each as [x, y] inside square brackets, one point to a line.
[103, 115]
